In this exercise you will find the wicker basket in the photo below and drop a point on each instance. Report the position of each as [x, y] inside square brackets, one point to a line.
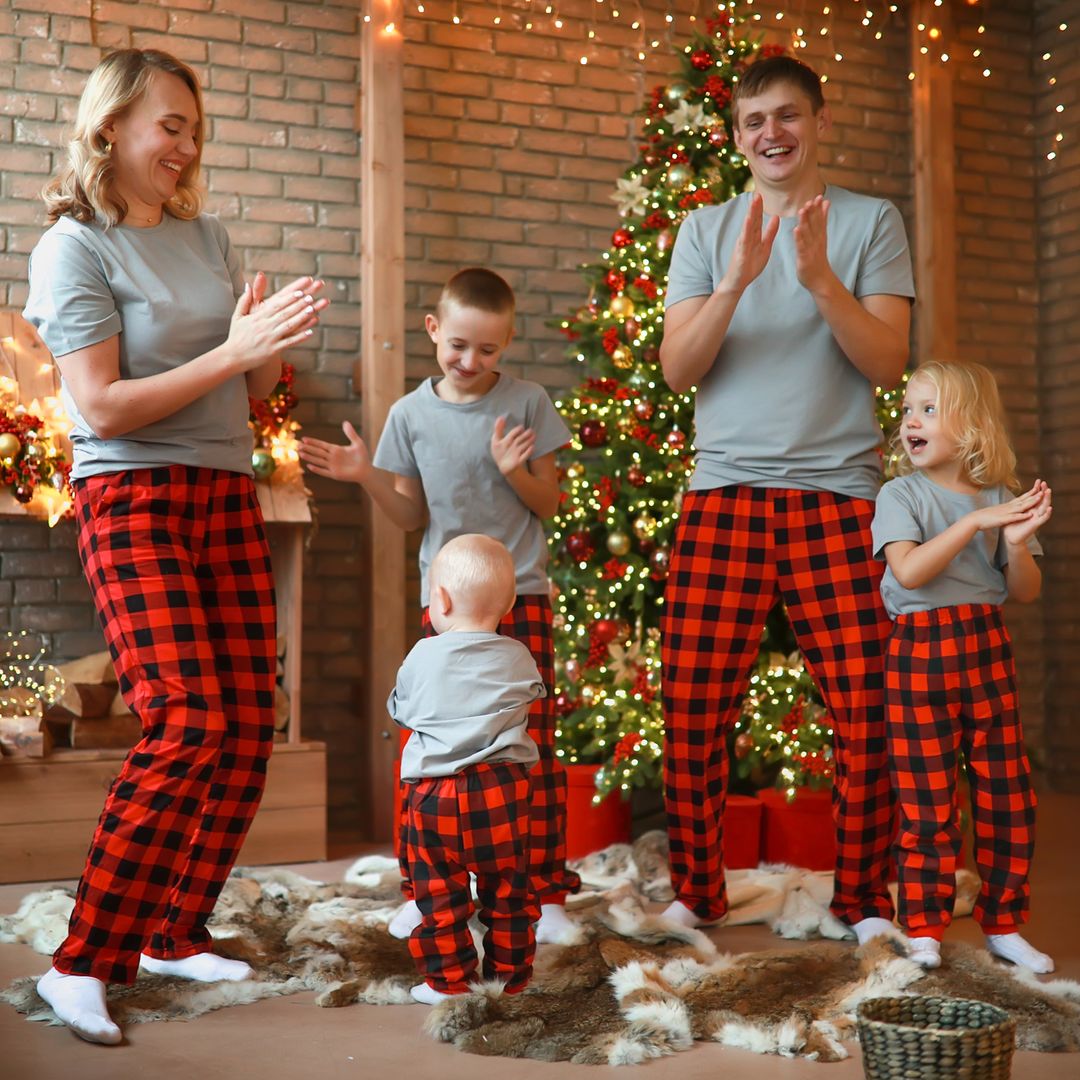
[933, 1038]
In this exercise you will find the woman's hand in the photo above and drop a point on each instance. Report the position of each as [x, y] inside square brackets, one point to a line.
[260, 329]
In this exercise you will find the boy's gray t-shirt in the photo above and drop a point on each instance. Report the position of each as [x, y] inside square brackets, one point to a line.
[782, 406]
[465, 695]
[448, 446]
[169, 292]
[913, 507]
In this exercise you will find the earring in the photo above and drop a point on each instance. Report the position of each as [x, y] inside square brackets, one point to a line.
[108, 148]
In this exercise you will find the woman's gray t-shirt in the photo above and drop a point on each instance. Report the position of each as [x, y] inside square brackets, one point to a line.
[169, 292]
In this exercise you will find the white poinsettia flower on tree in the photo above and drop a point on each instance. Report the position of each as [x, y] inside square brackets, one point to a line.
[624, 661]
[632, 195]
[686, 116]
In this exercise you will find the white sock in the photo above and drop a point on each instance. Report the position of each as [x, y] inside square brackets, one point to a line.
[678, 912]
[405, 921]
[79, 1000]
[1014, 948]
[426, 995]
[202, 967]
[554, 928]
[868, 929]
[925, 951]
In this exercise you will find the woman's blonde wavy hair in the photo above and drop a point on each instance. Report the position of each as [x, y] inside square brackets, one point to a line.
[969, 408]
[84, 184]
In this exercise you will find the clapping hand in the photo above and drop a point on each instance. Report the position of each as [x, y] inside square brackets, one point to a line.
[511, 449]
[351, 462]
[811, 244]
[263, 326]
[1037, 508]
[752, 249]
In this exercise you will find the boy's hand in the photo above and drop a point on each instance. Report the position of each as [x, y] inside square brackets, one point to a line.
[1018, 532]
[811, 244]
[511, 449]
[352, 462]
[752, 249]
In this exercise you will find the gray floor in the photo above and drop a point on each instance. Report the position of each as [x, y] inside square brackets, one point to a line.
[289, 1038]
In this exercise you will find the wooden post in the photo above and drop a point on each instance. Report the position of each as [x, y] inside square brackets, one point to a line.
[380, 379]
[935, 185]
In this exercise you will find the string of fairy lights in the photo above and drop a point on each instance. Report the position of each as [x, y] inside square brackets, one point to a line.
[807, 22]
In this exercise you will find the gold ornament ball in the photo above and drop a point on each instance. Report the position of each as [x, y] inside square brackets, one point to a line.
[9, 445]
[622, 307]
[679, 175]
[575, 472]
[622, 358]
[263, 463]
[644, 526]
[618, 543]
[676, 91]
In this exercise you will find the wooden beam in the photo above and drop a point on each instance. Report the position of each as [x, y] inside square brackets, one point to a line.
[935, 185]
[380, 378]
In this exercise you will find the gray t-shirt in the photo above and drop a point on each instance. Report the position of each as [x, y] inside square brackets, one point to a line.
[782, 406]
[448, 446]
[913, 507]
[465, 695]
[169, 293]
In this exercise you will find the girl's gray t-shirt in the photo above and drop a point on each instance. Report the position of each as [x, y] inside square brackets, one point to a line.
[169, 292]
[914, 508]
[448, 446]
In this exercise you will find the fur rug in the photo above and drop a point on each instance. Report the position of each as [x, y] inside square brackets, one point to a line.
[628, 988]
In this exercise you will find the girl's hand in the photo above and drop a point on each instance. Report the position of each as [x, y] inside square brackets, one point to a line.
[752, 249]
[260, 329]
[349, 463]
[1012, 512]
[511, 449]
[1018, 532]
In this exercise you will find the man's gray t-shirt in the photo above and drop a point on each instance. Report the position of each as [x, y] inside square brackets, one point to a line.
[448, 446]
[465, 695]
[782, 406]
[169, 293]
[914, 508]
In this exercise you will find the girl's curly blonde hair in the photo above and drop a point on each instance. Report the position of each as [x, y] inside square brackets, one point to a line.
[969, 408]
[84, 184]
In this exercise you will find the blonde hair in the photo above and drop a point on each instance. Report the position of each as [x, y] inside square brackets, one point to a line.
[969, 409]
[478, 572]
[84, 184]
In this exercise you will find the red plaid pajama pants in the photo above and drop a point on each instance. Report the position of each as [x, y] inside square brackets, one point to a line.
[736, 551]
[529, 621]
[180, 573]
[472, 821]
[950, 686]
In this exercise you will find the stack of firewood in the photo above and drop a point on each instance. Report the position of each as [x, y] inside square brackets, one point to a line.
[92, 715]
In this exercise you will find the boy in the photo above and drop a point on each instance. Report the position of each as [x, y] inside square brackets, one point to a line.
[474, 452]
[785, 331]
[465, 694]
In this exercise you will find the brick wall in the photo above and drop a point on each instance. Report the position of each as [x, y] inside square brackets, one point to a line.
[513, 147]
[1058, 224]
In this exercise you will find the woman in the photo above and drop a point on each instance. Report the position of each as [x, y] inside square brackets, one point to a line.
[159, 342]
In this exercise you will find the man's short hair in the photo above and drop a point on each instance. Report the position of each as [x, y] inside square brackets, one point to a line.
[478, 288]
[766, 73]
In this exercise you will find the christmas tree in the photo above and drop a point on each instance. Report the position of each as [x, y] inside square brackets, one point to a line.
[631, 456]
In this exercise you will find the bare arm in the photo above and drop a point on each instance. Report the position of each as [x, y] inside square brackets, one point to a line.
[914, 565]
[695, 328]
[401, 498]
[113, 407]
[536, 484]
[1022, 573]
[873, 331]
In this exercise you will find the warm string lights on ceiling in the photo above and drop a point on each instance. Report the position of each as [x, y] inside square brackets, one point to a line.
[810, 24]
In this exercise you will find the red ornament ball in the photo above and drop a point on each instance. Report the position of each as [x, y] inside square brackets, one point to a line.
[622, 237]
[580, 546]
[718, 136]
[651, 158]
[744, 743]
[651, 355]
[23, 493]
[659, 562]
[676, 439]
[615, 280]
[564, 703]
[594, 433]
[643, 409]
[604, 631]
[635, 476]
[702, 59]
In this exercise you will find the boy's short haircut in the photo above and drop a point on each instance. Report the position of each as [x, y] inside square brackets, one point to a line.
[477, 288]
[763, 74]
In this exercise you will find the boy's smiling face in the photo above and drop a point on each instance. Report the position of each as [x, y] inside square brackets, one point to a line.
[468, 345]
